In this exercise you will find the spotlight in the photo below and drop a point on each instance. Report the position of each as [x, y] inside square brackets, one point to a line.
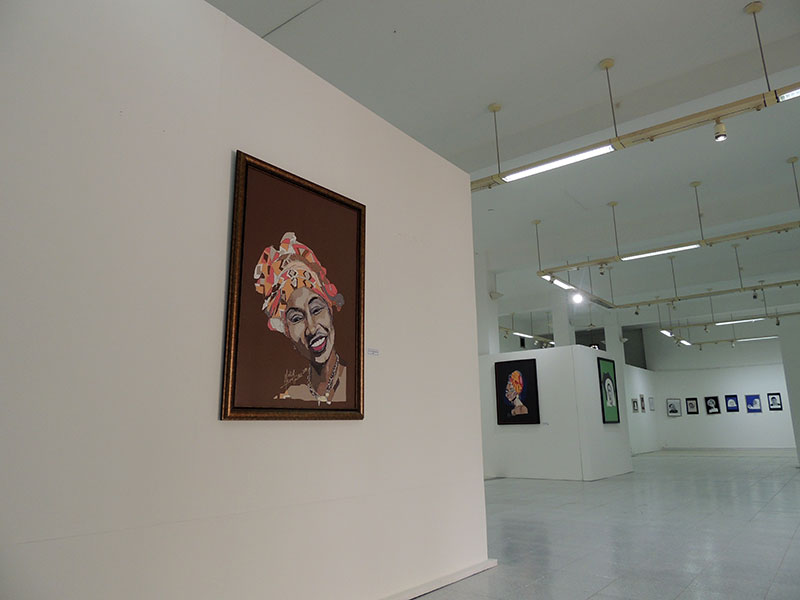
[636, 312]
[720, 133]
[755, 295]
[733, 344]
[777, 322]
[706, 330]
[577, 298]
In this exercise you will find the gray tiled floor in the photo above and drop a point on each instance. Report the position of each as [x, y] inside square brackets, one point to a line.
[685, 525]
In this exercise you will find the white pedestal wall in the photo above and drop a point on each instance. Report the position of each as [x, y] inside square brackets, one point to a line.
[120, 121]
[572, 442]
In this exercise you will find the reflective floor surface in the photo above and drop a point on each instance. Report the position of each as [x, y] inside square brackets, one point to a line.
[688, 525]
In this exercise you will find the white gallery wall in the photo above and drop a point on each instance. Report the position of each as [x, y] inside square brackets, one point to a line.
[571, 442]
[119, 124]
[768, 429]
[643, 426]
[717, 370]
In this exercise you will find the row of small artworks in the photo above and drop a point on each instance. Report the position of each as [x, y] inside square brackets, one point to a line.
[752, 403]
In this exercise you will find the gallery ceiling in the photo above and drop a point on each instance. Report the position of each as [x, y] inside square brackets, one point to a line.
[431, 69]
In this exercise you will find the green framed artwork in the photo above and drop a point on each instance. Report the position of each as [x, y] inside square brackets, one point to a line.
[608, 390]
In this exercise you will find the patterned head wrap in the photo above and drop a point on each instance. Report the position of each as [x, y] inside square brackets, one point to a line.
[280, 272]
[515, 379]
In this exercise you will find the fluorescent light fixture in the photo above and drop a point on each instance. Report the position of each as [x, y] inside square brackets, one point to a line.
[666, 332]
[520, 334]
[561, 162]
[686, 342]
[577, 298]
[739, 321]
[789, 95]
[758, 339]
[659, 252]
[563, 285]
[552, 343]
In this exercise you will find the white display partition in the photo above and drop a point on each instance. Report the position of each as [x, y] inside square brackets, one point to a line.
[643, 428]
[120, 121]
[572, 442]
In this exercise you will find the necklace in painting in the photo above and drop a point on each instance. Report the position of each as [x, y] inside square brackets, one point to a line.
[320, 398]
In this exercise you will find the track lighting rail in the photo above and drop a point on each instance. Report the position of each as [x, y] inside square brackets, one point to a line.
[731, 237]
[649, 134]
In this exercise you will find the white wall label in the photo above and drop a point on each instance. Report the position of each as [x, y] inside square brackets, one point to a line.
[373, 352]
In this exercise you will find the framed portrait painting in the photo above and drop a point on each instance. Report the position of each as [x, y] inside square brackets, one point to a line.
[295, 325]
[517, 392]
[608, 390]
[691, 406]
[774, 401]
[732, 403]
[753, 403]
[673, 407]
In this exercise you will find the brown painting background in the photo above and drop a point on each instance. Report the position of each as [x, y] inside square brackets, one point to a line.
[331, 229]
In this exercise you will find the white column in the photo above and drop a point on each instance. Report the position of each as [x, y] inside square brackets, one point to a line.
[563, 331]
[488, 332]
[789, 335]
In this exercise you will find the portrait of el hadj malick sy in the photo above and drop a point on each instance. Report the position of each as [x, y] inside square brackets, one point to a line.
[300, 302]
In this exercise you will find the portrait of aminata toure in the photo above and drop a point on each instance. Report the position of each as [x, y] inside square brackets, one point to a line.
[294, 344]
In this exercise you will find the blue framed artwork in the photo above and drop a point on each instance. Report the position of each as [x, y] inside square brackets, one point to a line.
[774, 401]
[712, 405]
[753, 403]
[732, 403]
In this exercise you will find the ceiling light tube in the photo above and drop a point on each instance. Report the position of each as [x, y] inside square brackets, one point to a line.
[789, 95]
[685, 342]
[659, 252]
[666, 332]
[739, 321]
[547, 277]
[557, 163]
[563, 285]
[522, 335]
[758, 339]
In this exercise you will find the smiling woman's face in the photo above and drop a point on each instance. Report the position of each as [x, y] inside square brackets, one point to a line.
[310, 325]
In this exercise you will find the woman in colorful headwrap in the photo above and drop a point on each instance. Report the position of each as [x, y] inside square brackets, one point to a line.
[514, 389]
[299, 302]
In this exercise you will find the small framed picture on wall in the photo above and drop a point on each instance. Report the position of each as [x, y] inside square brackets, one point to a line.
[712, 405]
[635, 404]
[774, 401]
[652, 403]
[608, 390]
[691, 406]
[673, 407]
[517, 392]
[753, 403]
[732, 403]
